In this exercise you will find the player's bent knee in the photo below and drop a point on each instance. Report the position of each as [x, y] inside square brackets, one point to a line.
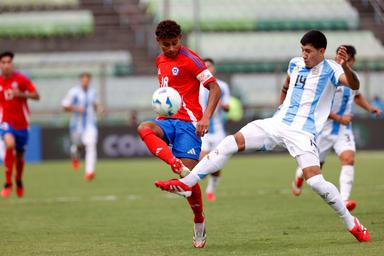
[240, 141]
[347, 158]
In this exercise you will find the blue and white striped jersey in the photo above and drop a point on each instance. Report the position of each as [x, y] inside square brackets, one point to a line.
[309, 98]
[216, 124]
[76, 96]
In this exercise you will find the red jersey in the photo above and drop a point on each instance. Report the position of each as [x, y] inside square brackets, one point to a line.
[184, 73]
[14, 110]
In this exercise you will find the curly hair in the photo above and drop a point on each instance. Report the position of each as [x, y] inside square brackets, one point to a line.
[167, 29]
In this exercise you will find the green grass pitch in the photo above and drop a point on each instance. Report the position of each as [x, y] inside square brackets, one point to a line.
[122, 213]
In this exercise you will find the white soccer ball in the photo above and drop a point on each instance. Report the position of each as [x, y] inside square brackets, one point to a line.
[166, 101]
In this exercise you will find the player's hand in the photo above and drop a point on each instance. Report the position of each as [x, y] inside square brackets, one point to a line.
[202, 127]
[17, 93]
[78, 109]
[342, 56]
[376, 111]
[345, 120]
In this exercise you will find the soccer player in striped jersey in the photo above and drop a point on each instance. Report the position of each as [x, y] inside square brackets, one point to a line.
[15, 91]
[337, 134]
[307, 96]
[182, 69]
[216, 132]
[82, 102]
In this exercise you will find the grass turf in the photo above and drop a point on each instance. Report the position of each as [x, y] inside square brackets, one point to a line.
[122, 213]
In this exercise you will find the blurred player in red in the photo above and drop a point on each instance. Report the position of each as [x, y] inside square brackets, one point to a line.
[15, 90]
[180, 68]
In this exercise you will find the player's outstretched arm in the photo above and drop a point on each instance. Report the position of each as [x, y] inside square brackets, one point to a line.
[363, 103]
[349, 78]
[213, 98]
[284, 90]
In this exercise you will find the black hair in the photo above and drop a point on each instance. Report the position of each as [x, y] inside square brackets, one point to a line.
[168, 29]
[351, 50]
[209, 60]
[316, 38]
[87, 74]
[7, 54]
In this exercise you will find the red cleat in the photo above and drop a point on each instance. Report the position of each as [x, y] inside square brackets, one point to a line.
[89, 176]
[296, 186]
[211, 196]
[19, 189]
[75, 164]
[174, 186]
[179, 168]
[6, 191]
[350, 204]
[360, 232]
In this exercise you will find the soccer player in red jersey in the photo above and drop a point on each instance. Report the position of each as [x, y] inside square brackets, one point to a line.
[182, 69]
[15, 90]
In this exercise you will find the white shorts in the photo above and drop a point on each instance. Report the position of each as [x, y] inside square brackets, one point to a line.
[88, 136]
[270, 134]
[341, 142]
[211, 140]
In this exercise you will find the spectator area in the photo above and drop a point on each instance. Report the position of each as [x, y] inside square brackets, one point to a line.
[228, 15]
[32, 4]
[46, 24]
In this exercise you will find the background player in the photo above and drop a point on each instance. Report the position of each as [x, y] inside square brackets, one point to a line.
[15, 90]
[180, 68]
[310, 86]
[216, 132]
[82, 102]
[337, 134]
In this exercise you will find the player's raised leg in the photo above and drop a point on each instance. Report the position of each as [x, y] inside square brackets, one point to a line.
[152, 135]
[346, 178]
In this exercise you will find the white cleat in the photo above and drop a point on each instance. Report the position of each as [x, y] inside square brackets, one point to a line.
[200, 236]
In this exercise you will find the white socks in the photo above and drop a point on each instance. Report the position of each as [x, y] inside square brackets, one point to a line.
[90, 157]
[212, 184]
[346, 181]
[212, 162]
[331, 196]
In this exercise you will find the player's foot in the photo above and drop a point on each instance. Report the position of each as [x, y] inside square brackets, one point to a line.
[89, 176]
[360, 232]
[75, 164]
[350, 204]
[210, 196]
[19, 188]
[179, 168]
[6, 191]
[199, 235]
[174, 186]
[297, 186]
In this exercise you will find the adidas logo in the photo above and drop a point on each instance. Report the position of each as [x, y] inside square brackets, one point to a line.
[158, 150]
[192, 151]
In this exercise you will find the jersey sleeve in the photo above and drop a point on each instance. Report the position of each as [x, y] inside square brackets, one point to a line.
[68, 99]
[337, 71]
[291, 65]
[225, 94]
[28, 84]
[197, 67]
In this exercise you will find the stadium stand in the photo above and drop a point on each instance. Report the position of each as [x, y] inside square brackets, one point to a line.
[259, 14]
[260, 51]
[37, 4]
[46, 24]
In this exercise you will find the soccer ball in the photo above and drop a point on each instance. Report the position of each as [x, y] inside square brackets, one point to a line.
[166, 101]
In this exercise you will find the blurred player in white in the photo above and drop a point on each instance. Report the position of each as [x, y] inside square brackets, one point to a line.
[216, 132]
[82, 102]
[337, 134]
[307, 96]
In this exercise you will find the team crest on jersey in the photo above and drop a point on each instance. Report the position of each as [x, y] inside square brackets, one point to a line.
[15, 85]
[315, 71]
[175, 71]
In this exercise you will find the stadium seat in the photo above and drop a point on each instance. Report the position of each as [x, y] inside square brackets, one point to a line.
[257, 51]
[69, 64]
[28, 4]
[46, 24]
[244, 15]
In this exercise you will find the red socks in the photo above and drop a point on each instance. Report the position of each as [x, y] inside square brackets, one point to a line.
[196, 203]
[19, 169]
[9, 160]
[156, 145]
